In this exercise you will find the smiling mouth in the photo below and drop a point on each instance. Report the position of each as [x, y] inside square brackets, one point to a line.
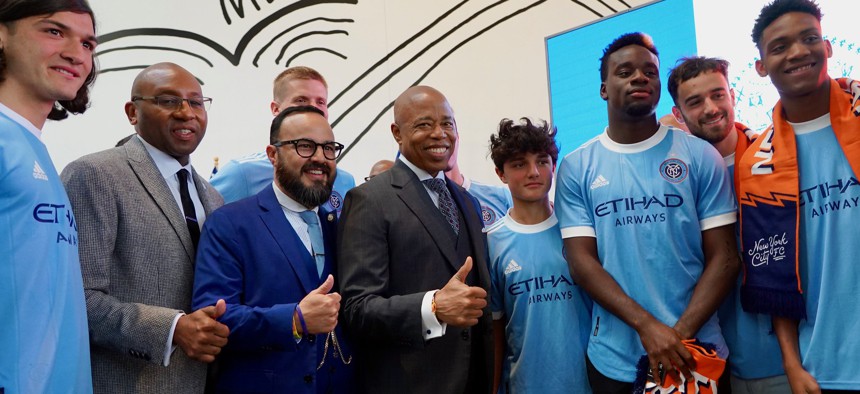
[65, 72]
[713, 121]
[438, 151]
[799, 69]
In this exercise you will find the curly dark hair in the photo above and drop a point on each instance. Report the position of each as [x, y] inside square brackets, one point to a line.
[514, 139]
[14, 10]
[688, 68]
[622, 41]
[778, 8]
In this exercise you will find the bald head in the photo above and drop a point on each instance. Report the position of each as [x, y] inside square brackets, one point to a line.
[160, 111]
[424, 128]
[416, 94]
[155, 73]
[380, 167]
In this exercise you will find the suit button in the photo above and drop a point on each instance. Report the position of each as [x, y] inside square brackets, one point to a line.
[312, 338]
[465, 335]
[309, 378]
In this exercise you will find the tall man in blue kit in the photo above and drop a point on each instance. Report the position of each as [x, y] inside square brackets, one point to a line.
[646, 213]
[798, 194]
[46, 71]
[246, 176]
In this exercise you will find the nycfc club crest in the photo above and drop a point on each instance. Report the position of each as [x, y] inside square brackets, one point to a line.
[673, 170]
[335, 200]
[488, 216]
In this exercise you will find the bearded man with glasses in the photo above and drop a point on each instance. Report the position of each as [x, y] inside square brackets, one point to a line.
[271, 256]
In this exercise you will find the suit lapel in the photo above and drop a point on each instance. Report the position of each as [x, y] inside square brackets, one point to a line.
[203, 192]
[476, 236]
[154, 184]
[414, 195]
[285, 236]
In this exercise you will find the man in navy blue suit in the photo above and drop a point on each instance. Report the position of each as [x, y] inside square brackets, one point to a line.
[271, 257]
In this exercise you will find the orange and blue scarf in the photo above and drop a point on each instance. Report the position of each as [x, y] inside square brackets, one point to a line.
[767, 183]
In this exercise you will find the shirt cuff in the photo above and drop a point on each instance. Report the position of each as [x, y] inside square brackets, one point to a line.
[170, 346]
[431, 326]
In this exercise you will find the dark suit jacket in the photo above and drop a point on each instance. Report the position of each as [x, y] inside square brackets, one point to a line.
[250, 256]
[394, 246]
[137, 261]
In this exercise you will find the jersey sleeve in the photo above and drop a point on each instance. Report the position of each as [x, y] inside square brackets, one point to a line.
[715, 203]
[231, 182]
[497, 281]
[574, 216]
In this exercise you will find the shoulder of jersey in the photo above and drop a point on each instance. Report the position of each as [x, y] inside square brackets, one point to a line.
[495, 226]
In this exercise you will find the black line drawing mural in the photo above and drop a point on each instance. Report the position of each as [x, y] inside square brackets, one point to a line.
[416, 57]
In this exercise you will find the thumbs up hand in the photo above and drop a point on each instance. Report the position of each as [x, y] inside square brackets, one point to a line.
[458, 304]
[319, 308]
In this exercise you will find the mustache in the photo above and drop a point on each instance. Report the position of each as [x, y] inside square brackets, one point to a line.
[317, 166]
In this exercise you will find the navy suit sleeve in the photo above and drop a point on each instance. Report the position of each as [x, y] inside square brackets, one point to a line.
[222, 264]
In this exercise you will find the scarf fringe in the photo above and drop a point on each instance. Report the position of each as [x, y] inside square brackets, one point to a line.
[788, 304]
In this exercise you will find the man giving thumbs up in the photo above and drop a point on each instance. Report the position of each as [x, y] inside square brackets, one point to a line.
[271, 257]
[403, 239]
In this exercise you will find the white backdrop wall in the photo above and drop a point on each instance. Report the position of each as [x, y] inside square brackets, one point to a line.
[487, 57]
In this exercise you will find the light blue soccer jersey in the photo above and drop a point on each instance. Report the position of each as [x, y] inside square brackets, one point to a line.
[246, 176]
[546, 316]
[755, 352]
[647, 204]
[829, 269]
[44, 341]
[495, 200]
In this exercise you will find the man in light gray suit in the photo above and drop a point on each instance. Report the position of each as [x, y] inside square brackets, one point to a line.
[139, 215]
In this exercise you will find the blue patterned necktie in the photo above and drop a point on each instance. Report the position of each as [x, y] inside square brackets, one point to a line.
[446, 203]
[318, 249]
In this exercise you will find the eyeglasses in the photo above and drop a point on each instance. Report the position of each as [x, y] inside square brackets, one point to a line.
[174, 103]
[369, 177]
[307, 148]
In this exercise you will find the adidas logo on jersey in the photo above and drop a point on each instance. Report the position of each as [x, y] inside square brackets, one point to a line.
[39, 173]
[600, 181]
[512, 267]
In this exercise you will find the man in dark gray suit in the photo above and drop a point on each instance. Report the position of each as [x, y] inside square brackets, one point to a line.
[413, 264]
[139, 215]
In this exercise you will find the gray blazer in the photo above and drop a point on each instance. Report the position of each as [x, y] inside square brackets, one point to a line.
[393, 247]
[137, 261]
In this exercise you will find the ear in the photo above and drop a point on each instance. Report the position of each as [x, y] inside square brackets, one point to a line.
[829, 48]
[395, 131]
[502, 176]
[131, 113]
[759, 68]
[274, 107]
[676, 112]
[603, 91]
[732, 94]
[272, 152]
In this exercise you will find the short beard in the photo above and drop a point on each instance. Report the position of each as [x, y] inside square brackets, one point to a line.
[310, 197]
